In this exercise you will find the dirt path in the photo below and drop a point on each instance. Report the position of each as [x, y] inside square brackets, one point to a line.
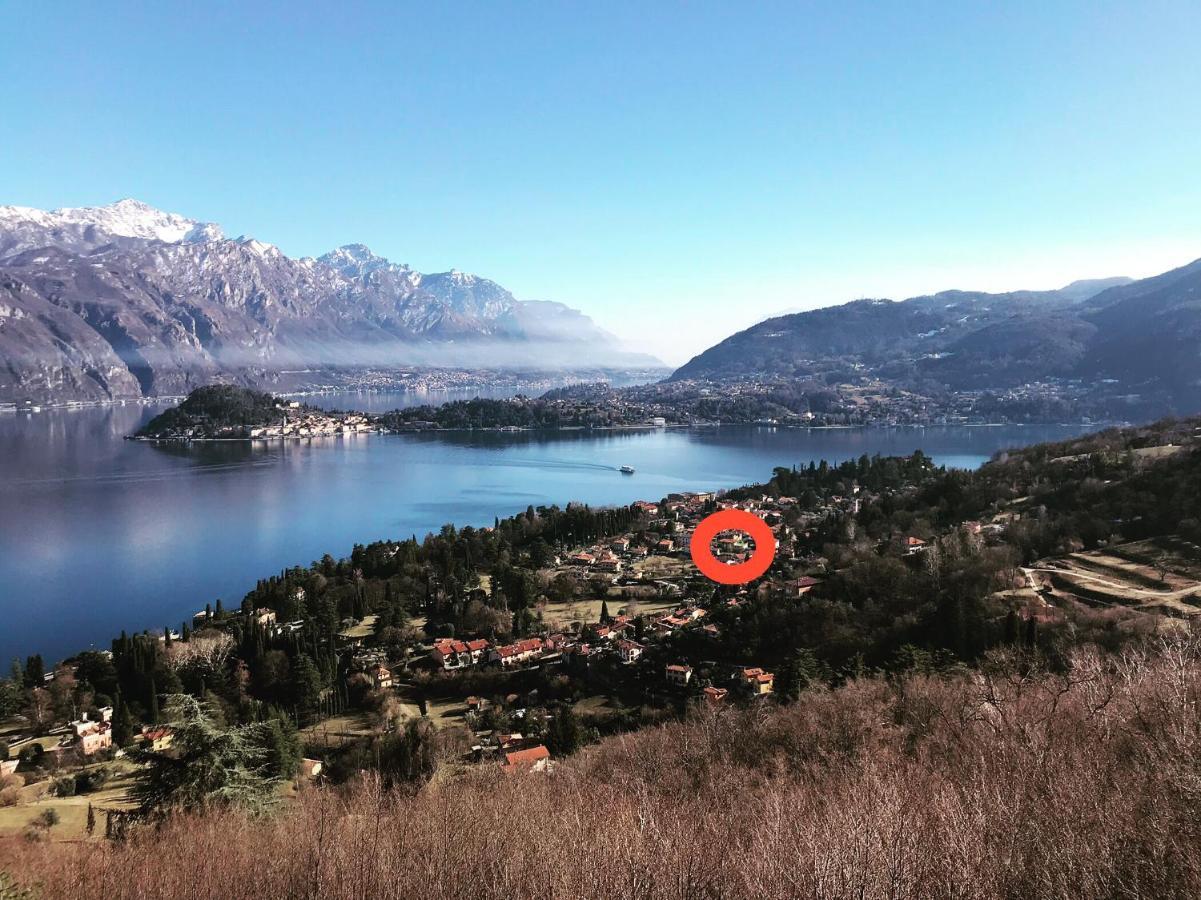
[1113, 586]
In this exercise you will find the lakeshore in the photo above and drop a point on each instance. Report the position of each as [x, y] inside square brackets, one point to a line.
[114, 533]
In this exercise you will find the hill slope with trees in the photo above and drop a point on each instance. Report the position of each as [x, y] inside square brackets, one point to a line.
[1141, 335]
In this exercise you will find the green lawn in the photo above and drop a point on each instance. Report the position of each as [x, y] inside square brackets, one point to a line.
[364, 629]
[336, 731]
[560, 615]
[72, 811]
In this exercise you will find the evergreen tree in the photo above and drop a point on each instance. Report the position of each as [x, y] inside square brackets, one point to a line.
[800, 670]
[605, 618]
[154, 710]
[123, 727]
[1011, 627]
[91, 820]
[1031, 633]
[11, 697]
[209, 766]
[306, 683]
[35, 671]
[565, 734]
[281, 744]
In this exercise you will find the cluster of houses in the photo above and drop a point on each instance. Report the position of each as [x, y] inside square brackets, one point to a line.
[449, 654]
[613, 638]
[294, 421]
[311, 424]
[756, 680]
[90, 736]
[669, 529]
[673, 520]
[262, 617]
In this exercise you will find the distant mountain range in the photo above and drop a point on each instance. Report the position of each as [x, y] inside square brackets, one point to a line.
[126, 301]
[1143, 336]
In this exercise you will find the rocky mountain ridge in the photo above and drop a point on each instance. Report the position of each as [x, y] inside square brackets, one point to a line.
[1141, 339]
[128, 301]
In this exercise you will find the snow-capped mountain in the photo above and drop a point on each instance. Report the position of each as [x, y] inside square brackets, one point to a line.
[86, 227]
[127, 300]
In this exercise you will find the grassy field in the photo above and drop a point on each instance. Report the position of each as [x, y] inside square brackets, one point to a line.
[72, 811]
[663, 567]
[446, 712]
[364, 629]
[336, 732]
[559, 615]
[597, 709]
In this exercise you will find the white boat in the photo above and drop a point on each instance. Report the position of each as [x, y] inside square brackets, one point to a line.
[626, 470]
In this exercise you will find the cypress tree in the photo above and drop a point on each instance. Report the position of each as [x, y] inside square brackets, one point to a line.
[154, 711]
[1031, 633]
[1011, 627]
[91, 820]
[122, 725]
[35, 671]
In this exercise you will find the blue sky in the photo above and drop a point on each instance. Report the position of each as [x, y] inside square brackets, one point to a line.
[637, 160]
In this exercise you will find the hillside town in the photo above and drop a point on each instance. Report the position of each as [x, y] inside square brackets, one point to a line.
[621, 622]
[655, 634]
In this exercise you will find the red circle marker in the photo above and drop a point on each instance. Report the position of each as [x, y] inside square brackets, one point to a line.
[732, 520]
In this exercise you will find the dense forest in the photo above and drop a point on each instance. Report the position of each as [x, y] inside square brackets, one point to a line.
[518, 412]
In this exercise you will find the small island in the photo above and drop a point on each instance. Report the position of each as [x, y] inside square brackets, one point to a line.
[228, 412]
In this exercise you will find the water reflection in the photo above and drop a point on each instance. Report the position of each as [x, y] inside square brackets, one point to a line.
[98, 533]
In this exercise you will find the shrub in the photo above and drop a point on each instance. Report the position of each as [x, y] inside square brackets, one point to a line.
[64, 786]
[91, 780]
[1006, 782]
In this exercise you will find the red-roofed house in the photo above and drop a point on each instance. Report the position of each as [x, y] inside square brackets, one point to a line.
[629, 650]
[715, 696]
[760, 682]
[802, 585]
[517, 653]
[678, 674]
[381, 677]
[158, 738]
[449, 653]
[535, 759]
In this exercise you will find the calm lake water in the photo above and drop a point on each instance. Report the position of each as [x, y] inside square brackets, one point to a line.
[99, 534]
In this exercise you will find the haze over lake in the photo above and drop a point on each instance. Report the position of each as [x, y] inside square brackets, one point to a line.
[99, 534]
